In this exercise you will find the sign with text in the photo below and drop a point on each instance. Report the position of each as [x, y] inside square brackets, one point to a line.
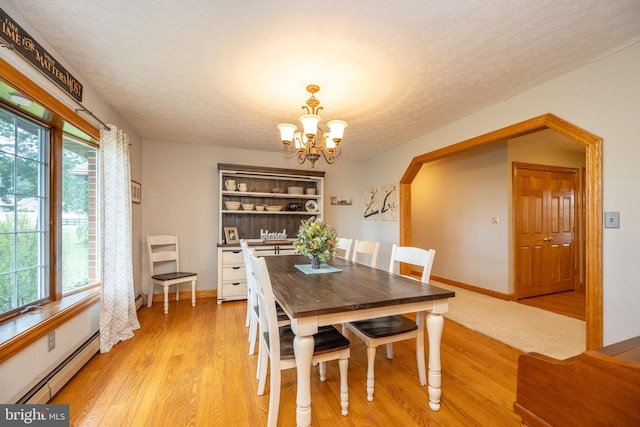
[20, 41]
[56, 415]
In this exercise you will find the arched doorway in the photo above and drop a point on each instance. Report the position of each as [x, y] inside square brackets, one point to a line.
[593, 196]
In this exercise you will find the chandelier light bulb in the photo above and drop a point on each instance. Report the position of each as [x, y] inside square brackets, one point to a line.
[286, 132]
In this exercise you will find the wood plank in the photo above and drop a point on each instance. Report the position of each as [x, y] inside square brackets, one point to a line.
[191, 367]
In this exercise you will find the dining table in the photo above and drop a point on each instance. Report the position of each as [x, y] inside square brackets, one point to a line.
[343, 291]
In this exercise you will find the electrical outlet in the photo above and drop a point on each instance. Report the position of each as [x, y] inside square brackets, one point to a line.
[51, 340]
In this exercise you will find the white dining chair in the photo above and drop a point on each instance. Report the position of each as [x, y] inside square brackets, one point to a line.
[344, 248]
[164, 268]
[252, 301]
[277, 341]
[253, 310]
[390, 329]
[363, 249]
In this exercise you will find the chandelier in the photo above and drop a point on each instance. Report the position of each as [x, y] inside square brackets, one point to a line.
[312, 141]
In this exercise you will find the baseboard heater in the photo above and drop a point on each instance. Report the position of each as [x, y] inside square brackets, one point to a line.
[42, 392]
[52, 383]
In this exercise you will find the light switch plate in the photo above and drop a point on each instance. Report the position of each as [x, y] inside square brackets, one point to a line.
[612, 220]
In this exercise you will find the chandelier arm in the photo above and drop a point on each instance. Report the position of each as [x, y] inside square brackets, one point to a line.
[328, 157]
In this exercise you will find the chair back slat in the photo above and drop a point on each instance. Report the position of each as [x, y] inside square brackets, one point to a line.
[266, 304]
[344, 248]
[367, 248]
[163, 249]
[251, 281]
[414, 256]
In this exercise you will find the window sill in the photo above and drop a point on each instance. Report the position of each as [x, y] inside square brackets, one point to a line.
[19, 332]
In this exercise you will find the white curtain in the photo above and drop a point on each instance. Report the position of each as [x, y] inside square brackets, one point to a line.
[118, 318]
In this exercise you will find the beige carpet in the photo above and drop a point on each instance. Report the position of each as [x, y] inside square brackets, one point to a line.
[526, 328]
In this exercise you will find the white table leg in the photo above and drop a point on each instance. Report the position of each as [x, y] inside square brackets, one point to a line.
[303, 350]
[435, 325]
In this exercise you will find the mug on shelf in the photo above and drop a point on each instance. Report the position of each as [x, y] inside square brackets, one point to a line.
[242, 186]
[230, 184]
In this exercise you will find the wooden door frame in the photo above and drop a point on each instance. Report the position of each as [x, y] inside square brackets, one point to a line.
[593, 195]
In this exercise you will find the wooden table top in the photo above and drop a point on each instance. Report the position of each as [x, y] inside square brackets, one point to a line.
[356, 287]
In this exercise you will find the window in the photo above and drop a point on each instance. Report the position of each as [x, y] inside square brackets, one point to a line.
[24, 221]
[26, 276]
[79, 214]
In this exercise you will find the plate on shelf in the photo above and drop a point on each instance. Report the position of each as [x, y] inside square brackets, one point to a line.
[311, 206]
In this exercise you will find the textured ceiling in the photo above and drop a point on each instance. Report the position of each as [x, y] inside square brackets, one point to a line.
[226, 72]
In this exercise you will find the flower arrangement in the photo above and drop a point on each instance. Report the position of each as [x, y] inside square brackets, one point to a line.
[316, 239]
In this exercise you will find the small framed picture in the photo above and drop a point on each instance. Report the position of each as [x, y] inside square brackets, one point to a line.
[346, 201]
[231, 234]
[136, 192]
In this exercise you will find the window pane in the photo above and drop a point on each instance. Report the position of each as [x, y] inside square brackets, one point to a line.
[28, 215]
[29, 139]
[7, 133]
[24, 224]
[7, 245]
[79, 215]
[7, 178]
[7, 293]
[27, 177]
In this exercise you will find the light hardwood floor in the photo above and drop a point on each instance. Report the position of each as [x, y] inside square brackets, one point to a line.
[192, 368]
[569, 303]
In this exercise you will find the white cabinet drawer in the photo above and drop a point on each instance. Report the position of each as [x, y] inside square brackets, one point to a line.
[233, 273]
[232, 257]
[234, 289]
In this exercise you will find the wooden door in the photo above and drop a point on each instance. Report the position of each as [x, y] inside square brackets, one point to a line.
[544, 218]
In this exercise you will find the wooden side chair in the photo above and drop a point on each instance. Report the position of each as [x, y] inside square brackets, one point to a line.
[277, 342]
[163, 255]
[363, 248]
[344, 248]
[390, 329]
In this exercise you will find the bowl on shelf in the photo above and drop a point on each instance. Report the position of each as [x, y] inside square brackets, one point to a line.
[232, 206]
[247, 206]
[295, 190]
[260, 207]
[277, 190]
[274, 208]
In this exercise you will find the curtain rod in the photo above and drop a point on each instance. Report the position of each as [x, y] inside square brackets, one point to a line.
[84, 110]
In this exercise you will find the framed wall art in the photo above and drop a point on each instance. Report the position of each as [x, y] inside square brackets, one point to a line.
[371, 210]
[136, 192]
[345, 201]
[390, 202]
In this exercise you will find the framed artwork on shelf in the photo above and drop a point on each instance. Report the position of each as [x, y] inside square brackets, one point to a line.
[231, 235]
[136, 192]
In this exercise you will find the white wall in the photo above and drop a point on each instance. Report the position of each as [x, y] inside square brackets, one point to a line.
[180, 196]
[602, 98]
[453, 201]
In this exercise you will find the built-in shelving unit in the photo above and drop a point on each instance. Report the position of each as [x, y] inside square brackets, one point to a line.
[264, 187]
